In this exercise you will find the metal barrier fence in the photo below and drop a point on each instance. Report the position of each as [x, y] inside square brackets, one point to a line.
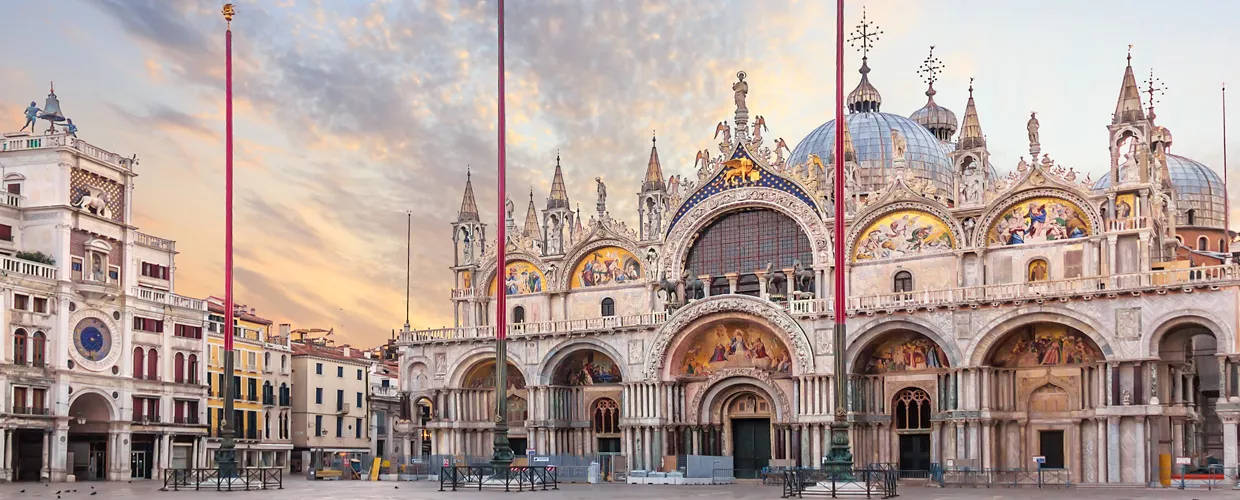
[852, 483]
[246, 479]
[569, 468]
[1213, 477]
[491, 478]
[1001, 477]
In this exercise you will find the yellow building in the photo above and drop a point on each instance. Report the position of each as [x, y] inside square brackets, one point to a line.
[260, 441]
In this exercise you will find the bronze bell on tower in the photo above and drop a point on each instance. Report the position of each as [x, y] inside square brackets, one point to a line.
[51, 110]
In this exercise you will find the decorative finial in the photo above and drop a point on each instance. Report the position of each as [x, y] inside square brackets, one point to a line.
[654, 136]
[229, 12]
[970, 87]
[930, 70]
[467, 173]
[1154, 88]
[531, 194]
[557, 160]
[866, 33]
[51, 87]
[1130, 54]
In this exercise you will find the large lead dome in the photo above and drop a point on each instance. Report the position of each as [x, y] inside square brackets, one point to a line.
[925, 157]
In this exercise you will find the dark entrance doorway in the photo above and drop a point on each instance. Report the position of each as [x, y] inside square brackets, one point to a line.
[608, 445]
[751, 446]
[141, 456]
[1050, 445]
[28, 455]
[90, 454]
[914, 452]
[518, 446]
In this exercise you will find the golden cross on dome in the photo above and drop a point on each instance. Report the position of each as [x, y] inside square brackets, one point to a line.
[1154, 87]
[866, 33]
[931, 68]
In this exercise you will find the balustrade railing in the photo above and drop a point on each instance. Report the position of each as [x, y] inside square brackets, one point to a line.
[61, 140]
[171, 299]
[20, 266]
[149, 241]
[1192, 277]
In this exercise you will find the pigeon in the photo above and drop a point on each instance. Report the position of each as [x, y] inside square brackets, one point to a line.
[22, 491]
[93, 493]
[57, 492]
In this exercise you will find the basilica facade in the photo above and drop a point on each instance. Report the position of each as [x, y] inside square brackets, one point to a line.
[991, 318]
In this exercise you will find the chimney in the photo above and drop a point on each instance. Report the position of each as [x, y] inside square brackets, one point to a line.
[285, 328]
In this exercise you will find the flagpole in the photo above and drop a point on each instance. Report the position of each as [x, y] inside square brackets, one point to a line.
[226, 458]
[1226, 191]
[839, 458]
[502, 457]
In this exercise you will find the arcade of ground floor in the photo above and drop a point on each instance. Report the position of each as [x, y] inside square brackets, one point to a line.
[296, 488]
[94, 452]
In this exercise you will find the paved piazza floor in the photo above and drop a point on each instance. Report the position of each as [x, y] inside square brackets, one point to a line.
[300, 489]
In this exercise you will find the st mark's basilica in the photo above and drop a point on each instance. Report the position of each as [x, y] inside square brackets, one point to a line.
[992, 317]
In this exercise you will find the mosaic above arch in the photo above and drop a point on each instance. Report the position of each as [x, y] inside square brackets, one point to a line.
[606, 266]
[1037, 220]
[586, 367]
[728, 344]
[904, 352]
[482, 376]
[904, 233]
[741, 171]
[1044, 344]
[521, 277]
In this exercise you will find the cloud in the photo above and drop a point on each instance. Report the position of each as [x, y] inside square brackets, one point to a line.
[160, 116]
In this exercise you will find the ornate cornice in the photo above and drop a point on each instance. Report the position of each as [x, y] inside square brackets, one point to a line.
[685, 231]
[788, 329]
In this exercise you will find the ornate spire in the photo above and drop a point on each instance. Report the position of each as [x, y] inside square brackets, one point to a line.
[1128, 108]
[938, 120]
[865, 98]
[971, 128]
[469, 208]
[577, 225]
[654, 171]
[559, 196]
[531, 221]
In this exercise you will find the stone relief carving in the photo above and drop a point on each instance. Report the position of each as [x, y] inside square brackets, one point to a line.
[825, 339]
[1128, 323]
[682, 234]
[531, 350]
[636, 356]
[441, 363]
[785, 326]
[963, 324]
[753, 373]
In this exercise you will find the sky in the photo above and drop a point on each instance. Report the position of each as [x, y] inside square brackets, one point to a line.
[350, 114]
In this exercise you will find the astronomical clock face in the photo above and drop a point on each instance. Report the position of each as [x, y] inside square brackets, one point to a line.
[92, 342]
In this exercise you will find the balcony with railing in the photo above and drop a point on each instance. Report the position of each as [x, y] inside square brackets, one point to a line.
[172, 299]
[146, 419]
[1085, 288]
[27, 267]
[149, 241]
[380, 391]
[11, 200]
[1127, 223]
[187, 420]
[62, 140]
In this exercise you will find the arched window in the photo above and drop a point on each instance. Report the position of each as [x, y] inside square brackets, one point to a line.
[1192, 217]
[269, 397]
[192, 369]
[139, 366]
[1222, 246]
[744, 242]
[518, 314]
[267, 361]
[903, 282]
[283, 362]
[606, 416]
[19, 347]
[608, 307]
[912, 410]
[284, 395]
[152, 364]
[267, 424]
[1203, 244]
[178, 368]
[38, 350]
[1039, 270]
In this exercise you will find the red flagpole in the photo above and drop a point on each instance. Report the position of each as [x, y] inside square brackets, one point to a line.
[228, 194]
[840, 126]
[501, 310]
[1226, 192]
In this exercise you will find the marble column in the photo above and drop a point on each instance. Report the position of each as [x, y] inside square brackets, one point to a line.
[1230, 457]
[1103, 470]
[1113, 456]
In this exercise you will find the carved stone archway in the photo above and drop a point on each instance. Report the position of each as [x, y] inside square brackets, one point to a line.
[681, 237]
[786, 328]
[718, 385]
